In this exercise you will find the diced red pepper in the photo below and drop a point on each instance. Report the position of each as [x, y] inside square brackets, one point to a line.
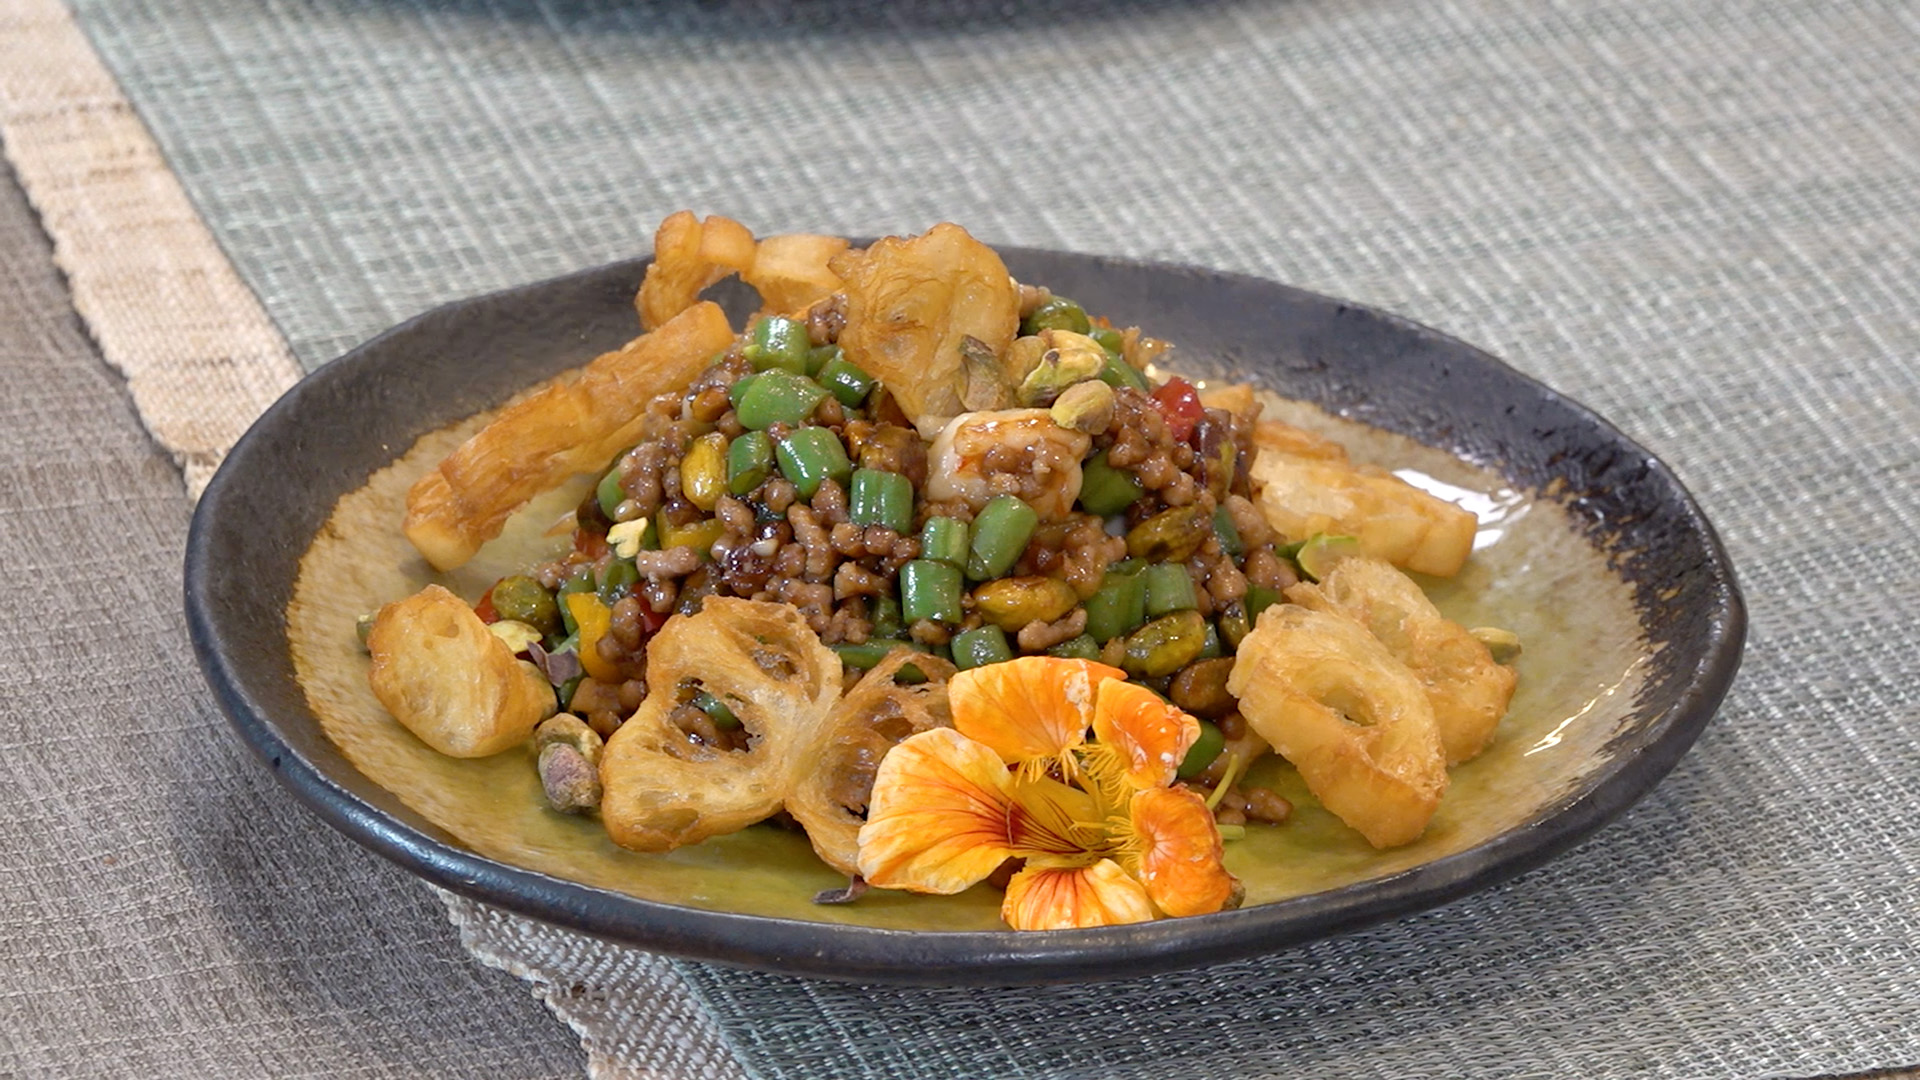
[484, 608]
[651, 621]
[589, 543]
[1179, 402]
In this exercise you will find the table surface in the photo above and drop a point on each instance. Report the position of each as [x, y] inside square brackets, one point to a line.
[1702, 217]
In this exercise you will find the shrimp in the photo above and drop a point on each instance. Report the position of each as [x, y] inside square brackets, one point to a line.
[1041, 458]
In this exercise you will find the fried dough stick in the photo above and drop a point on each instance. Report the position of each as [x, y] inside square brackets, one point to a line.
[569, 426]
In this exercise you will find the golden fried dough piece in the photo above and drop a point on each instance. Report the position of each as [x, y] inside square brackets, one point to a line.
[1353, 719]
[449, 680]
[566, 427]
[1236, 398]
[831, 801]
[1392, 519]
[1468, 691]
[912, 305]
[1276, 437]
[663, 791]
[791, 272]
[689, 256]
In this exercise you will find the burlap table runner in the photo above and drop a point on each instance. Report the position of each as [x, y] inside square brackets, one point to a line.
[1701, 218]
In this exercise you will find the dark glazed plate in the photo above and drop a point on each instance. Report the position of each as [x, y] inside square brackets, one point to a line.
[1679, 630]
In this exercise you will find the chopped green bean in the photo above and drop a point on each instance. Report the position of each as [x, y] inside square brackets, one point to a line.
[811, 455]
[864, 656]
[1118, 608]
[1058, 313]
[1204, 749]
[779, 343]
[1000, 534]
[930, 590]
[739, 389]
[1105, 490]
[885, 614]
[845, 380]
[1258, 599]
[819, 357]
[1169, 589]
[1080, 648]
[1215, 647]
[945, 539]
[716, 710]
[1227, 532]
[580, 581]
[881, 498]
[618, 580]
[609, 492]
[749, 461]
[980, 647]
[778, 397]
[1118, 373]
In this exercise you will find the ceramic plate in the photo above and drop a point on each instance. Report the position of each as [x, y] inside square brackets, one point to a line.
[1589, 548]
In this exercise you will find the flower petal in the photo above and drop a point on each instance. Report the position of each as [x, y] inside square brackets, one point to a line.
[1149, 736]
[1179, 852]
[1066, 899]
[1032, 708]
[938, 819]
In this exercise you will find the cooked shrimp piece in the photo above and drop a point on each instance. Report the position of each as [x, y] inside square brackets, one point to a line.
[1012, 451]
[1468, 691]
[1332, 700]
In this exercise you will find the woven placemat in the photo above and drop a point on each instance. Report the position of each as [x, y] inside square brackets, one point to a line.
[1701, 218]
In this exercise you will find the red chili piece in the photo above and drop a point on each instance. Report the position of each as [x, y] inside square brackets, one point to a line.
[1179, 402]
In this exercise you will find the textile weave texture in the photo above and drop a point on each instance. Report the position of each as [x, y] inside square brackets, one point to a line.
[1701, 218]
[165, 909]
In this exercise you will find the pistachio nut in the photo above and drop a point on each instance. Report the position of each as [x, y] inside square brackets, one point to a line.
[1065, 358]
[1085, 407]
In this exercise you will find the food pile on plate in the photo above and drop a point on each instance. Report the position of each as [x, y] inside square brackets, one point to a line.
[944, 570]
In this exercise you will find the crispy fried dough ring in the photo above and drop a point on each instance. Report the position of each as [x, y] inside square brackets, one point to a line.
[446, 677]
[911, 305]
[791, 272]
[1299, 676]
[688, 257]
[662, 791]
[867, 723]
[1468, 691]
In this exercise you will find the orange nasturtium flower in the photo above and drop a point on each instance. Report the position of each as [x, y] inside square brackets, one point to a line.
[1104, 837]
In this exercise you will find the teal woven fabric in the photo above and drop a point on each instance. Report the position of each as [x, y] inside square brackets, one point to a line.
[1700, 217]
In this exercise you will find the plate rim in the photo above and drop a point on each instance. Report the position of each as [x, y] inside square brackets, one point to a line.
[948, 958]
